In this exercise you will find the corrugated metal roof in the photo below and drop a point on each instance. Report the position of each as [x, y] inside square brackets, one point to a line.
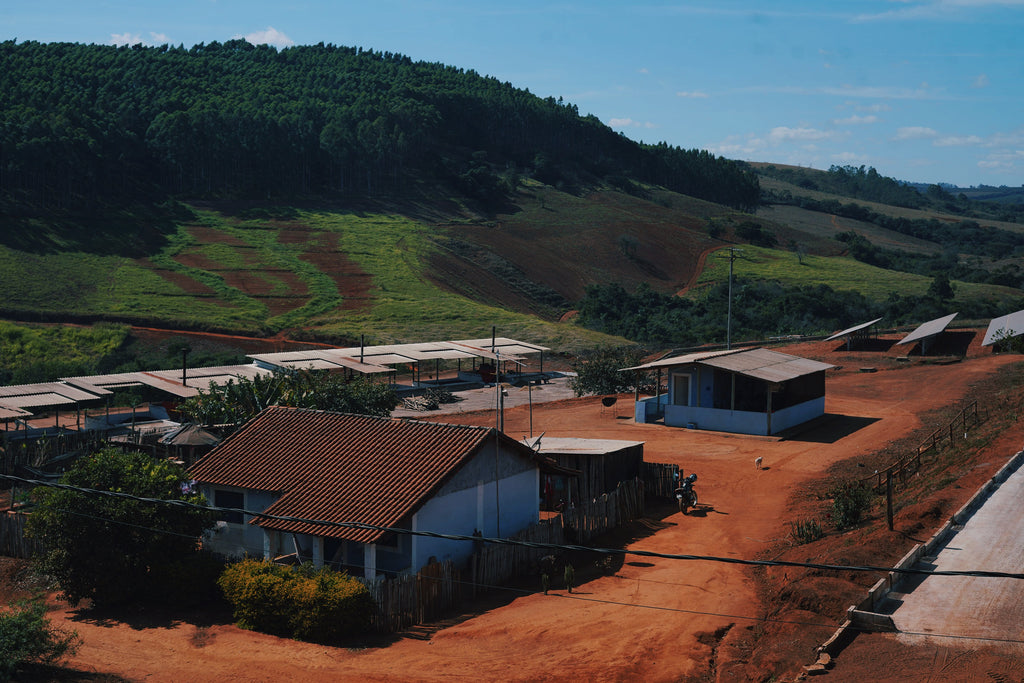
[682, 360]
[398, 354]
[504, 345]
[45, 394]
[770, 366]
[12, 412]
[578, 446]
[855, 328]
[342, 468]
[928, 329]
[1006, 326]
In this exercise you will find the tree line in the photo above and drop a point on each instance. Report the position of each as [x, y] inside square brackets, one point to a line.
[86, 127]
[760, 309]
[867, 184]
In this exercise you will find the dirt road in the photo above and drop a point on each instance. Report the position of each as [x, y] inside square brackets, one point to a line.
[653, 620]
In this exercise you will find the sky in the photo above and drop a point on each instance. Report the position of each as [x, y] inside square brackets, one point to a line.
[921, 90]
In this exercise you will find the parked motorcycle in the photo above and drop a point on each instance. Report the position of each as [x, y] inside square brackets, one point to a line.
[685, 494]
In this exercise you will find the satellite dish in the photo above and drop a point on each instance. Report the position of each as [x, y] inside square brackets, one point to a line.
[609, 401]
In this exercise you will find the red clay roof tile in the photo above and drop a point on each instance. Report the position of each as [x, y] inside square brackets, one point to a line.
[340, 467]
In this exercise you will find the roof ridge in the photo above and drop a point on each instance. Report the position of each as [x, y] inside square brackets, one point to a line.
[380, 418]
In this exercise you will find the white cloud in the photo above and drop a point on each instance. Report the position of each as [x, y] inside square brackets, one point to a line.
[268, 36]
[856, 120]
[120, 39]
[980, 81]
[850, 158]
[873, 107]
[696, 94]
[957, 141]
[936, 9]
[785, 133]
[915, 133]
[644, 71]
[1006, 161]
[630, 123]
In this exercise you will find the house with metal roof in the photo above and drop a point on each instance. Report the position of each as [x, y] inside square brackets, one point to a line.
[744, 391]
[334, 484]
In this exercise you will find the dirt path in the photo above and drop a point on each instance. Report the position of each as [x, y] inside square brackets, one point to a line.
[653, 620]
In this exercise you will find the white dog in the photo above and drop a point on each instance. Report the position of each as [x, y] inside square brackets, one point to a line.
[757, 462]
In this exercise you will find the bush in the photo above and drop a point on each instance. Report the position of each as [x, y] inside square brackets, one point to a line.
[849, 502]
[319, 605]
[114, 549]
[26, 636]
[806, 530]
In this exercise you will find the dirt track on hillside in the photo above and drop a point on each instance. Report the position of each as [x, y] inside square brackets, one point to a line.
[653, 619]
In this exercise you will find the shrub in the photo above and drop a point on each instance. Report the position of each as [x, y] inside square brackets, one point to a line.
[112, 549]
[806, 530]
[849, 502]
[26, 636]
[319, 605]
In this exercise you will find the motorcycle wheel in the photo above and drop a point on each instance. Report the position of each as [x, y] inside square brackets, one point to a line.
[693, 499]
[682, 505]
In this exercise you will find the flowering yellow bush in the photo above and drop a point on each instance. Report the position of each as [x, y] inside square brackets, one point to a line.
[299, 602]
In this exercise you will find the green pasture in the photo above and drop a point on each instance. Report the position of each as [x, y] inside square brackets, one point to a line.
[839, 273]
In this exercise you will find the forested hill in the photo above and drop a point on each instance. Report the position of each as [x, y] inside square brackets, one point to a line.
[90, 127]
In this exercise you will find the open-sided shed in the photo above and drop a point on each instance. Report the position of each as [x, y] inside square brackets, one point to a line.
[747, 391]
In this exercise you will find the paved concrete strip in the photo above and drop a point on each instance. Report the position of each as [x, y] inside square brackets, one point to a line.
[991, 540]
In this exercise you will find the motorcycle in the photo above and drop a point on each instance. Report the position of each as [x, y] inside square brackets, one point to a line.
[685, 494]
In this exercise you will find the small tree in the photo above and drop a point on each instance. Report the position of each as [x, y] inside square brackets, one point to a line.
[112, 549]
[27, 637]
[239, 401]
[597, 372]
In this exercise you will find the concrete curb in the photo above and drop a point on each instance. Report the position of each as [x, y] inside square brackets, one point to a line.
[862, 616]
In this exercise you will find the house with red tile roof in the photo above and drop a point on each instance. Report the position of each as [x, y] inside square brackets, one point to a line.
[316, 472]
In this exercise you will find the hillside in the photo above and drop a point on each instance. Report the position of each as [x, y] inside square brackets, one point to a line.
[333, 194]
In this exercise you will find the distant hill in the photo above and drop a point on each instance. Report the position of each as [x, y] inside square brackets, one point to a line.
[342, 194]
[91, 128]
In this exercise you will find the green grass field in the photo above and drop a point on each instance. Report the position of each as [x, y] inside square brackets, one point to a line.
[841, 273]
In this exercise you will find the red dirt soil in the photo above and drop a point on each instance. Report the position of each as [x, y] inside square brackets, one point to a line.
[653, 619]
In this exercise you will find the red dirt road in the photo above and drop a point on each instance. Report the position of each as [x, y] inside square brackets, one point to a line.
[654, 619]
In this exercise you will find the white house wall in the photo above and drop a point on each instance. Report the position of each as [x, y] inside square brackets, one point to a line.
[239, 540]
[475, 509]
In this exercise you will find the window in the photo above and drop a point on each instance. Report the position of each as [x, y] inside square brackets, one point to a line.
[229, 499]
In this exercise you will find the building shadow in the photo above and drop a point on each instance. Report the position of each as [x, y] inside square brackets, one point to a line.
[830, 428]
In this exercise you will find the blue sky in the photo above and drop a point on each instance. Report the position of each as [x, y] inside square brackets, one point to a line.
[922, 90]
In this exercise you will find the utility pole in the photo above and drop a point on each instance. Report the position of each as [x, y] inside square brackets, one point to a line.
[733, 255]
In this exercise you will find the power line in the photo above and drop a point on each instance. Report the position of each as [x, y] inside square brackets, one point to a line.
[328, 524]
[573, 596]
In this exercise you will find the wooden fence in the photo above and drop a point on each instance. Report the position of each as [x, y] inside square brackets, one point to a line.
[13, 542]
[439, 588]
[909, 464]
[660, 479]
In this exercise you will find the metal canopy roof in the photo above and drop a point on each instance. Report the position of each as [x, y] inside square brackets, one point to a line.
[12, 412]
[928, 329]
[856, 328]
[44, 395]
[1002, 328]
[680, 360]
[503, 345]
[372, 357]
[770, 366]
